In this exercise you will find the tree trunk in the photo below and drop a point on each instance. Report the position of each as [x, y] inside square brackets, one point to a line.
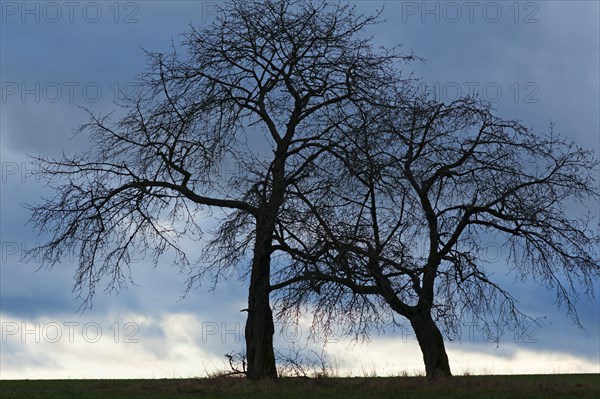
[259, 325]
[432, 346]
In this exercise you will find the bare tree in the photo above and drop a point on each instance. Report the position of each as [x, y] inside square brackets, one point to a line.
[405, 202]
[255, 90]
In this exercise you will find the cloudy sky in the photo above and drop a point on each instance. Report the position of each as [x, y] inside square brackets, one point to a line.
[537, 61]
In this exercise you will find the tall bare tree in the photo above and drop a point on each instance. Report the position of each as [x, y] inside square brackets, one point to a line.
[405, 202]
[255, 90]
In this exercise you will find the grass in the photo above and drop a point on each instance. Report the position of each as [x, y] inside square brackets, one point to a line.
[480, 387]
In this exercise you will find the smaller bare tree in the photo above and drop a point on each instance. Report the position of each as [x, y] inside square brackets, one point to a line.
[410, 195]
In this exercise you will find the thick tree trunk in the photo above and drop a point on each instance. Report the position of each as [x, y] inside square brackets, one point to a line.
[432, 346]
[259, 325]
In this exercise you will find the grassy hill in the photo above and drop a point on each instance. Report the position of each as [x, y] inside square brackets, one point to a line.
[480, 387]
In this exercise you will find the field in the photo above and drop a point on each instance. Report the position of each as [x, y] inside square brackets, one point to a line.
[480, 387]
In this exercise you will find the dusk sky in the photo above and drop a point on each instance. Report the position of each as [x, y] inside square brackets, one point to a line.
[536, 61]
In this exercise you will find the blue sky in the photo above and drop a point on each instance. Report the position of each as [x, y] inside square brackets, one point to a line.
[537, 61]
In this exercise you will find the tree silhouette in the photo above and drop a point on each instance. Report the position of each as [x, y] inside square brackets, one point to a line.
[403, 206]
[258, 90]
